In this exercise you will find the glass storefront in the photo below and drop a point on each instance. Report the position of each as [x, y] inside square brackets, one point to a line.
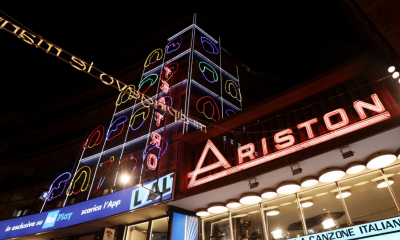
[348, 208]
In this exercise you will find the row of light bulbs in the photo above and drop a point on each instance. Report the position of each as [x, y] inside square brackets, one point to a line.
[377, 161]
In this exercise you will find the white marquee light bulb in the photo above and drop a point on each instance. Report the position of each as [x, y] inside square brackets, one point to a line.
[345, 194]
[288, 188]
[308, 182]
[395, 75]
[250, 198]
[331, 175]
[383, 184]
[233, 204]
[355, 168]
[270, 193]
[202, 213]
[380, 160]
[217, 208]
[391, 69]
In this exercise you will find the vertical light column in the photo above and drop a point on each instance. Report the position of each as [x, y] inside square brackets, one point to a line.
[264, 223]
[237, 73]
[300, 208]
[396, 201]
[349, 222]
[230, 224]
[220, 76]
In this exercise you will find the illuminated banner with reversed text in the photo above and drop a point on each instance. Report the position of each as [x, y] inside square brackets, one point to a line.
[105, 206]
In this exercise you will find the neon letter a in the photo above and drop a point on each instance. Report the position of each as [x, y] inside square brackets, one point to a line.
[199, 170]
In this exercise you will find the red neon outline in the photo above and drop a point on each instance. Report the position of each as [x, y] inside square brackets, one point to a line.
[249, 154]
[168, 70]
[279, 139]
[378, 107]
[104, 174]
[156, 139]
[131, 157]
[199, 170]
[159, 117]
[87, 171]
[317, 140]
[307, 125]
[264, 146]
[89, 139]
[154, 165]
[343, 115]
[204, 108]
[164, 87]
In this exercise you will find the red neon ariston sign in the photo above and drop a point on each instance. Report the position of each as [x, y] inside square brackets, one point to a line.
[336, 130]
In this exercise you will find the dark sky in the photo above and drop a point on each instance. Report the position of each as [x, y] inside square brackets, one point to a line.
[270, 33]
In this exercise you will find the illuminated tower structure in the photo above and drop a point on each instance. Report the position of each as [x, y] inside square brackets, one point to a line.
[191, 73]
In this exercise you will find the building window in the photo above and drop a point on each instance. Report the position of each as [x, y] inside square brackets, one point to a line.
[322, 210]
[216, 228]
[137, 232]
[283, 219]
[365, 201]
[247, 224]
[159, 229]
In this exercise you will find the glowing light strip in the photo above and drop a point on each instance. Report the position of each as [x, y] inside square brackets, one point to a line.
[203, 66]
[104, 174]
[152, 70]
[51, 189]
[153, 97]
[179, 33]
[178, 56]
[226, 111]
[173, 44]
[201, 30]
[311, 142]
[208, 60]
[116, 128]
[231, 104]
[207, 40]
[90, 137]
[159, 53]
[87, 171]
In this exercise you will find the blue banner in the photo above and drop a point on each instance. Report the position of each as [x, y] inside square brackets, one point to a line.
[105, 206]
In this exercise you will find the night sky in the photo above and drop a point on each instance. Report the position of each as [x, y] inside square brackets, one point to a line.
[292, 40]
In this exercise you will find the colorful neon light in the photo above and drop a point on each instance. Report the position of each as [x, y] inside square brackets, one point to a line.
[249, 153]
[152, 166]
[100, 132]
[159, 117]
[51, 189]
[378, 107]
[155, 143]
[214, 48]
[133, 165]
[110, 130]
[210, 101]
[144, 115]
[272, 156]
[164, 87]
[152, 78]
[83, 170]
[173, 45]
[307, 125]
[229, 110]
[105, 173]
[168, 71]
[161, 102]
[284, 136]
[121, 95]
[159, 53]
[343, 115]
[228, 85]
[205, 66]
[199, 169]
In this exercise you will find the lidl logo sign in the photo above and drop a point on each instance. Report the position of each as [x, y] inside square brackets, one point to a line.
[50, 219]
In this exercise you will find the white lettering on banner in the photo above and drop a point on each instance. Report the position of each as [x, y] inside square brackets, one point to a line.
[64, 216]
[285, 142]
[93, 209]
[365, 231]
[21, 226]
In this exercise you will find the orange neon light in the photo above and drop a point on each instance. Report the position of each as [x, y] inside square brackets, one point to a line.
[284, 136]
[378, 107]
[307, 125]
[159, 53]
[249, 153]
[343, 115]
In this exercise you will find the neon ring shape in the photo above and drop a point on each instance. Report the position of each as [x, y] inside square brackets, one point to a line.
[205, 66]
[207, 43]
[116, 124]
[236, 95]
[122, 94]
[208, 101]
[173, 45]
[152, 78]
[168, 71]
[157, 52]
[66, 175]
[99, 131]
[132, 166]
[137, 113]
[229, 111]
[105, 173]
[83, 170]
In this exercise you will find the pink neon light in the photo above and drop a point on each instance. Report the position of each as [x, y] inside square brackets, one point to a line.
[298, 147]
[159, 117]
[100, 131]
[343, 115]
[284, 136]
[168, 71]
[307, 125]
[152, 166]
[264, 146]
[199, 170]
[249, 154]
[378, 107]
[164, 87]
[156, 139]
